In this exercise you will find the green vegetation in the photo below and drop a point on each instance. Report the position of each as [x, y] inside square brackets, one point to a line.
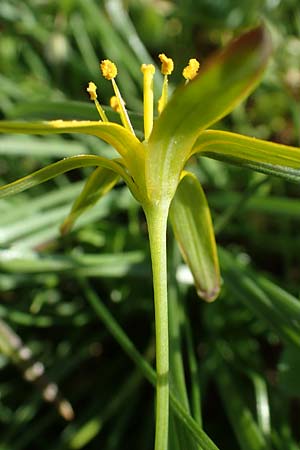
[77, 310]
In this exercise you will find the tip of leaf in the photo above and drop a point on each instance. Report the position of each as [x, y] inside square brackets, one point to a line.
[209, 296]
[255, 37]
[255, 42]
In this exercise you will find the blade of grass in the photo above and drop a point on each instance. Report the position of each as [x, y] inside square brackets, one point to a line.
[246, 430]
[249, 292]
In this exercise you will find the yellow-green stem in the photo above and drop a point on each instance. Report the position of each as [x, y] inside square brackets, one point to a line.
[157, 226]
[123, 112]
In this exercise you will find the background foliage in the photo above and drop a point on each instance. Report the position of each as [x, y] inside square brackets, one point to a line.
[240, 355]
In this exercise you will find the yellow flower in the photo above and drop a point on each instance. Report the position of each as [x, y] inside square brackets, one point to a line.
[109, 71]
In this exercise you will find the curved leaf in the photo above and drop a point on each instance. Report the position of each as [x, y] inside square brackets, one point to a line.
[55, 169]
[101, 181]
[246, 429]
[223, 82]
[267, 157]
[193, 229]
[126, 144]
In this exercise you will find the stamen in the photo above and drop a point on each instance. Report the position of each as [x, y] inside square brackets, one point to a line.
[91, 89]
[114, 103]
[123, 112]
[167, 64]
[148, 72]
[191, 70]
[109, 71]
[167, 67]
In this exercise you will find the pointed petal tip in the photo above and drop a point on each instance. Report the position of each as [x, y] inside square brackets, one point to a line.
[256, 42]
[209, 296]
[256, 38]
[259, 35]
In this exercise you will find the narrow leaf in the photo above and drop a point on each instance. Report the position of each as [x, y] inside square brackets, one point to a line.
[240, 416]
[100, 182]
[223, 82]
[126, 144]
[193, 229]
[267, 157]
[284, 302]
[247, 289]
[262, 403]
[55, 169]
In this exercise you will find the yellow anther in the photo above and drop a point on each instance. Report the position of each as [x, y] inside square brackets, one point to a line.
[115, 104]
[109, 69]
[191, 70]
[148, 72]
[167, 64]
[91, 89]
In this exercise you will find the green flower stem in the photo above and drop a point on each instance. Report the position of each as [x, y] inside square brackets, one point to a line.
[157, 227]
[127, 345]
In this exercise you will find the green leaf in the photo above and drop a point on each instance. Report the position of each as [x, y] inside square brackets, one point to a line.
[267, 157]
[193, 229]
[126, 144]
[247, 288]
[104, 265]
[98, 184]
[223, 82]
[262, 403]
[17, 145]
[55, 169]
[240, 416]
[283, 301]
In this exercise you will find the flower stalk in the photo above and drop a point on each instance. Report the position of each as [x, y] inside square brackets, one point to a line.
[157, 228]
